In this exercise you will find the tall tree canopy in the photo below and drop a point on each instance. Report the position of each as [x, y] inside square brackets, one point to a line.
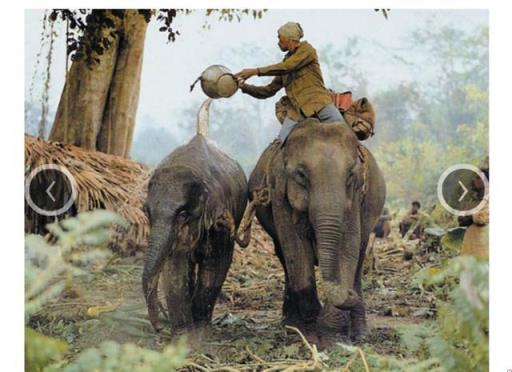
[98, 105]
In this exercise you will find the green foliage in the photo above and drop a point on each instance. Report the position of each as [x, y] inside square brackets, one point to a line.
[423, 128]
[91, 31]
[351, 358]
[40, 350]
[110, 356]
[460, 340]
[49, 265]
[412, 167]
[457, 341]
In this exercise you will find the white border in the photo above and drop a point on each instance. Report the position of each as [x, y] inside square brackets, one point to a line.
[500, 145]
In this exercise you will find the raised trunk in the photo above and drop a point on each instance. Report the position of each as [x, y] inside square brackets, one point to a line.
[160, 241]
[115, 135]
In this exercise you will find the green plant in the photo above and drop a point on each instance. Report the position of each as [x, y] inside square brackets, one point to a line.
[457, 341]
[112, 356]
[49, 267]
[460, 339]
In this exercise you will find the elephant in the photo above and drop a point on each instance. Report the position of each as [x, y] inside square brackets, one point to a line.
[196, 198]
[318, 195]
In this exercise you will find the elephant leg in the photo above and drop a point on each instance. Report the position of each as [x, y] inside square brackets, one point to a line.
[359, 326]
[177, 285]
[290, 309]
[301, 298]
[211, 274]
[299, 260]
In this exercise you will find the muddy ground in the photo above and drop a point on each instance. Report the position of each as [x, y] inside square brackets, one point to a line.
[107, 304]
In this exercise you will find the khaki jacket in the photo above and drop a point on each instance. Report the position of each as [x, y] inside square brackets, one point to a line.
[300, 75]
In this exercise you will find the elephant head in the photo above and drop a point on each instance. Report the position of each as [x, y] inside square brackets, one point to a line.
[322, 180]
[175, 208]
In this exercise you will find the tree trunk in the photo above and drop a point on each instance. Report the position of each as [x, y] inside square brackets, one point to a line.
[98, 105]
[115, 136]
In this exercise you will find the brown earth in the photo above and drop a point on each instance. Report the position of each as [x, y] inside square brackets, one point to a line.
[107, 303]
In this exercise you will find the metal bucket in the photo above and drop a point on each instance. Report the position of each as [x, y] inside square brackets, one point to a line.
[217, 81]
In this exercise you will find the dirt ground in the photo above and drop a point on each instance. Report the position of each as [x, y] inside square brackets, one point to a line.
[246, 334]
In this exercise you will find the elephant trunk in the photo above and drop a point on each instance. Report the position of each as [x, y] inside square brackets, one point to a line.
[160, 241]
[338, 251]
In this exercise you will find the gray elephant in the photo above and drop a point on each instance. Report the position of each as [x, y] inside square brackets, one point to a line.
[318, 196]
[196, 198]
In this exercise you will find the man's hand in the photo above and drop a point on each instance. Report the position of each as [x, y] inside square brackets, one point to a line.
[241, 82]
[246, 73]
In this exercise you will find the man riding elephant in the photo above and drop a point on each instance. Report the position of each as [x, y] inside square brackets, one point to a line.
[300, 74]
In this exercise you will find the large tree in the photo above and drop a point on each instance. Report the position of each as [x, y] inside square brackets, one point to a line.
[98, 105]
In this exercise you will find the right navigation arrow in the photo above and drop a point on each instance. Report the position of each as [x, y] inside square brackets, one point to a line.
[465, 191]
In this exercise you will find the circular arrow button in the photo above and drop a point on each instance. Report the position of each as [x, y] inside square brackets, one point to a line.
[458, 192]
[50, 190]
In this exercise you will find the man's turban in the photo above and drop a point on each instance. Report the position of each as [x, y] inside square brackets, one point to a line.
[291, 31]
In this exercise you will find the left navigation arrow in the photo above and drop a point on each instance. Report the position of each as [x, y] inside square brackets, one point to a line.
[48, 191]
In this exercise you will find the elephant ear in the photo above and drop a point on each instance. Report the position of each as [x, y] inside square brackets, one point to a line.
[288, 233]
[197, 196]
[191, 219]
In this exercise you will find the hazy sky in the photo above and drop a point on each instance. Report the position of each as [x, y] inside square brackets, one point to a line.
[170, 68]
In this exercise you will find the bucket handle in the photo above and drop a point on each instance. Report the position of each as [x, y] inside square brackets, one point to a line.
[194, 83]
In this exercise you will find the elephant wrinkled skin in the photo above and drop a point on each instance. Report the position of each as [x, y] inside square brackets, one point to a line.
[196, 198]
[324, 201]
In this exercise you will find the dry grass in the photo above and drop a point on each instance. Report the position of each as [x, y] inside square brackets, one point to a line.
[103, 181]
[246, 334]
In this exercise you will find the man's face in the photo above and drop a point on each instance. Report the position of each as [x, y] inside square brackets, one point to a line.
[415, 208]
[283, 43]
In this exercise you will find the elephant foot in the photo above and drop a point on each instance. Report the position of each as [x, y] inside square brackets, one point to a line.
[328, 339]
[359, 328]
[333, 320]
[359, 335]
[340, 297]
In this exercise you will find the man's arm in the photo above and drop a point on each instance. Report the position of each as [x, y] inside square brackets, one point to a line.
[264, 91]
[303, 56]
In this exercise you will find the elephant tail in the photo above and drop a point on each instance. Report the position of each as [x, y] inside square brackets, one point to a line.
[243, 234]
[203, 118]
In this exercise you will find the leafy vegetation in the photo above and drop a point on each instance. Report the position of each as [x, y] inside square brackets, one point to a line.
[50, 266]
[456, 340]
[91, 31]
[460, 339]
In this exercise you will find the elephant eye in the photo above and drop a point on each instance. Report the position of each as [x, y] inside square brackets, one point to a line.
[182, 215]
[300, 177]
[350, 179]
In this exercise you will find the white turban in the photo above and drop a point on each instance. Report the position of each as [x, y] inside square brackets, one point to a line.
[291, 31]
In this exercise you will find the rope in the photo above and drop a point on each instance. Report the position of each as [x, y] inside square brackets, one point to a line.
[363, 156]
